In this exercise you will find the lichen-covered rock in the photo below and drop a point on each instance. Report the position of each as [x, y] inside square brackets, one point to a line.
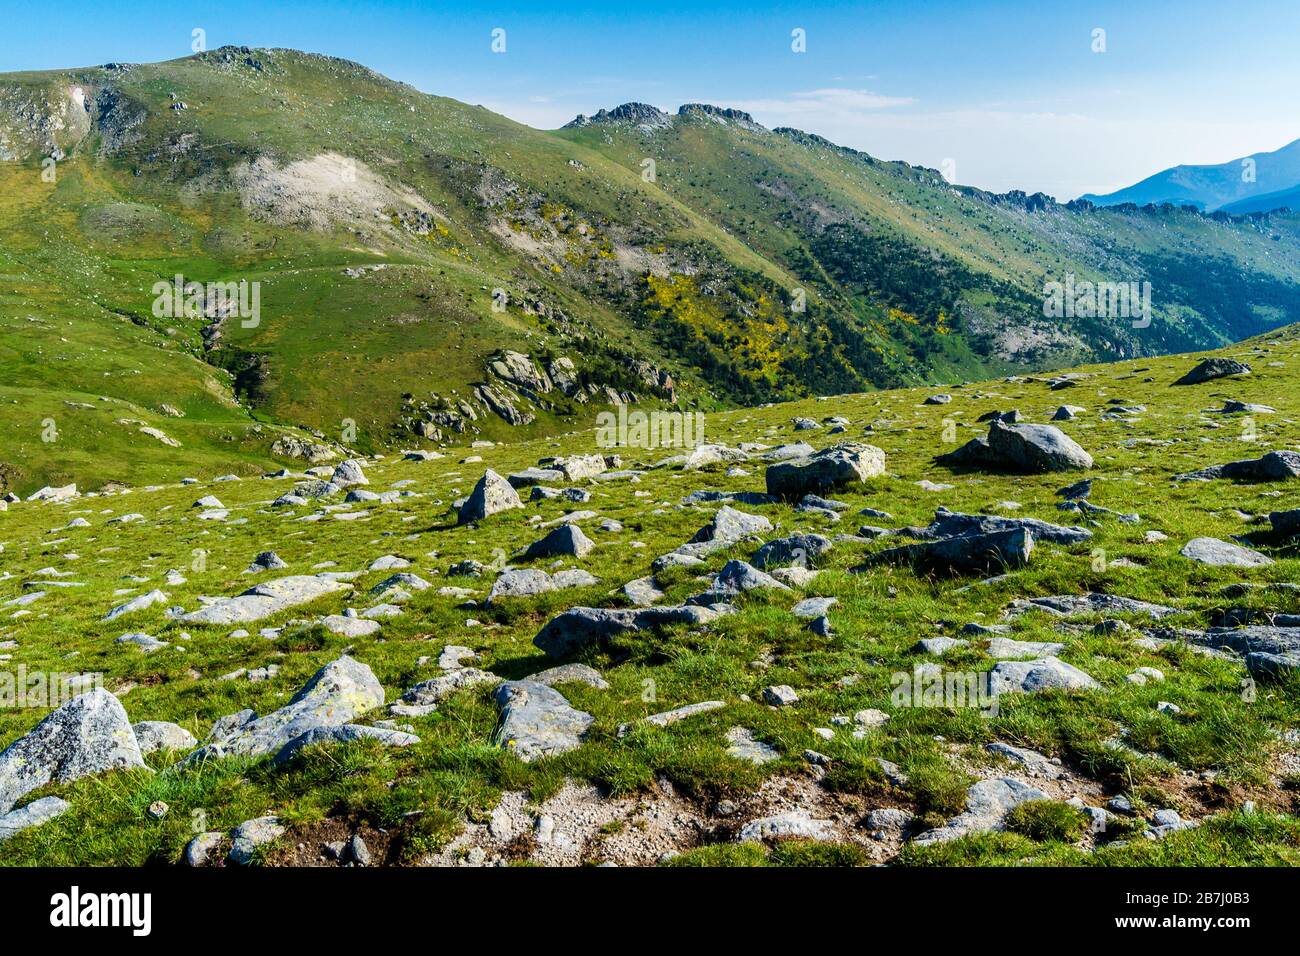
[337, 694]
[537, 720]
[89, 734]
[155, 735]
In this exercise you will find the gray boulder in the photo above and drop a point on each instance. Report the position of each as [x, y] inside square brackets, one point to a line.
[580, 627]
[1274, 466]
[736, 578]
[537, 720]
[990, 553]
[1213, 368]
[89, 734]
[727, 527]
[800, 549]
[1047, 673]
[492, 495]
[349, 473]
[155, 735]
[33, 815]
[340, 735]
[952, 524]
[570, 674]
[1223, 554]
[566, 540]
[265, 599]
[251, 835]
[987, 804]
[1036, 448]
[831, 469]
[1070, 605]
[337, 694]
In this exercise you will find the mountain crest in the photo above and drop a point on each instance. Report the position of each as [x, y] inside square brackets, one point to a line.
[651, 117]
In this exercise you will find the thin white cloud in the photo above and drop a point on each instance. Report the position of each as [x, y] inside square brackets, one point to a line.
[831, 101]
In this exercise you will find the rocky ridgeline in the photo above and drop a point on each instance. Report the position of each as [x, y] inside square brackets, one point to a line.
[766, 560]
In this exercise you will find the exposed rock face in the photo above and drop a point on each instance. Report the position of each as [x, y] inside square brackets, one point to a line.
[501, 402]
[537, 720]
[831, 469]
[1213, 368]
[289, 446]
[518, 369]
[89, 734]
[1275, 466]
[635, 114]
[969, 554]
[339, 692]
[492, 495]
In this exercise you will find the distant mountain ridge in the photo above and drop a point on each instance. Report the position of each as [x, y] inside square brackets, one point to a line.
[1248, 184]
[432, 272]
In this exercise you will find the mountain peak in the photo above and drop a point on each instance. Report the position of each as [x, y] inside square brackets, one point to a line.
[635, 114]
[1239, 185]
[651, 117]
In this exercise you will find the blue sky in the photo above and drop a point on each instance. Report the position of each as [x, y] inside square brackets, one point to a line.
[1010, 93]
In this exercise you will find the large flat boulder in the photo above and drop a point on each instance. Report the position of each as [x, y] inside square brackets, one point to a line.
[952, 524]
[579, 627]
[987, 804]
[1213, 368]
[265, 599]
[1223, 554]
[1036, 448]
[1274, 466]
[990, 553]
[1028, 677]
[831, 469]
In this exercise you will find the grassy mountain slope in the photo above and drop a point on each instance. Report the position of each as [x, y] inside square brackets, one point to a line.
[305, 173]
[679, 789]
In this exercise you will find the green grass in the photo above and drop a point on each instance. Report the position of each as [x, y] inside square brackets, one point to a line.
[570, 235]
[455, 771]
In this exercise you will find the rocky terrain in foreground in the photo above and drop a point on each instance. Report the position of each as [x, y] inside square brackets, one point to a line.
[1047, 619]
